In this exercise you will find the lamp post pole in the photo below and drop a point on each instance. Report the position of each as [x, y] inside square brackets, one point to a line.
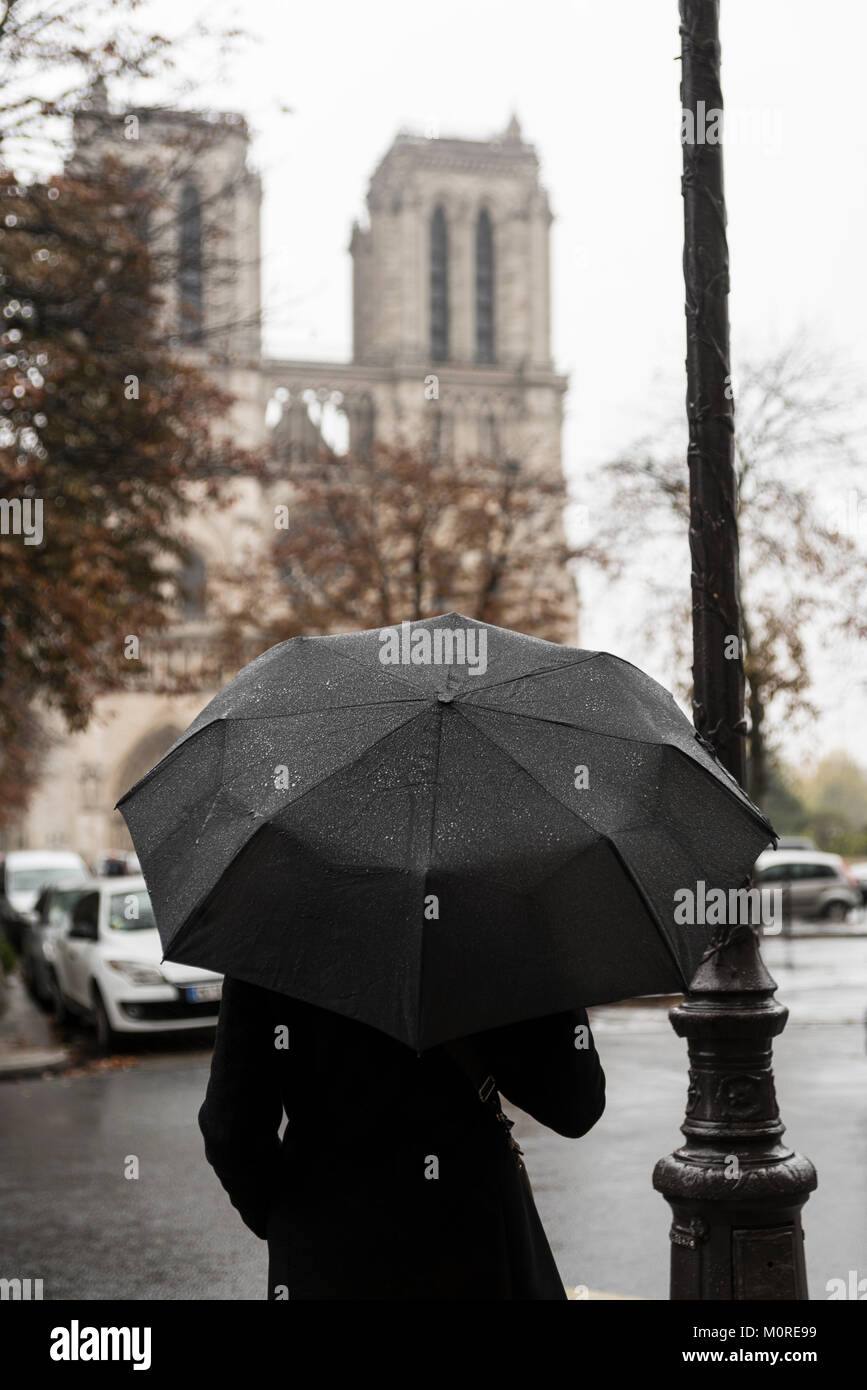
[735, 1189]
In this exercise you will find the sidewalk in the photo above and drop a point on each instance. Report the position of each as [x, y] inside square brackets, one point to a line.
[27, 1043]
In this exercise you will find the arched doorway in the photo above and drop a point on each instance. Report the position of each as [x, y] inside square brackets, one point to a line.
[139, 760]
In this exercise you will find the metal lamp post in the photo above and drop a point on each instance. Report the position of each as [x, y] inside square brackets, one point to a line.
[735, 1189]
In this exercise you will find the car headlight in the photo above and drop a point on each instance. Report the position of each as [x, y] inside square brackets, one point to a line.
[137, 972]
[48, 948]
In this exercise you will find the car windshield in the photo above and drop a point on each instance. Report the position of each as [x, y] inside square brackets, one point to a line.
[130, 911]
[62, 900]
[32, 880]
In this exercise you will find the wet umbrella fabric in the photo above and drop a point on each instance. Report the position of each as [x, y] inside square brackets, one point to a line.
[437, 849]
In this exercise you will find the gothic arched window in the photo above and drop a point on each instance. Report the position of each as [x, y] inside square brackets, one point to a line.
[484, 288]
[190, 265]
[439, 287]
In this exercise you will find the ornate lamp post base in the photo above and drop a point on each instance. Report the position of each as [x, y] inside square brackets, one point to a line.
[735, 1189]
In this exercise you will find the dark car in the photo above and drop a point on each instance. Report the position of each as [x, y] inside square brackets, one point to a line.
[52, 915]
[12, 923]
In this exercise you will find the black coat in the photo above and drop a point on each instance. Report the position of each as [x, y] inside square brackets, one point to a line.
[393, 1180]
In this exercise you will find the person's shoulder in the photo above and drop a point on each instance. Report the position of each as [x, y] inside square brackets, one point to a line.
[247, 994]
[542, 1029]
[275, 1005]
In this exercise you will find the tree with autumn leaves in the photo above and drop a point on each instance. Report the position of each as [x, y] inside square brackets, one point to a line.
[104, 428]
[107, 432]
[405, 533]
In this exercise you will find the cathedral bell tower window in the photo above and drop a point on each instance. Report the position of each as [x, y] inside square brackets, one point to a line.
[484, 289]
[439, 287]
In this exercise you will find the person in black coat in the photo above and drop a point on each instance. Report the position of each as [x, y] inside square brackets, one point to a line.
[394, 1179]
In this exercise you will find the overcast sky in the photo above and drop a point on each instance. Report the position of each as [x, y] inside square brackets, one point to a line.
[595, 87]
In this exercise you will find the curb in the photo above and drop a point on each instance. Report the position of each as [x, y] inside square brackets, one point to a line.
[33, 1062]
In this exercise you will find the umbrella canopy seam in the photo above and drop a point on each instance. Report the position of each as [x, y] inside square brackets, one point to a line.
[318, 709]
[566, 724]
[537, 671]
[430, 847]
[365, 666]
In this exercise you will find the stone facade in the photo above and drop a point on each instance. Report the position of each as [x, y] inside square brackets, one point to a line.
[466, 360]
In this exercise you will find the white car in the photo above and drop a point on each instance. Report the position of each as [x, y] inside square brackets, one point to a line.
[25, 872]
[859, 873]
[108, 967]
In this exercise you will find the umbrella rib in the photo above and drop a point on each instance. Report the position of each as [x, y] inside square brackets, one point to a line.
[430, 845]
[341, 767]
[507, 753]
[322, 709]
[603, 835]
[563, 723]
[729, 784]
[651, 910]
[210, 811]
[541, 671]
[365, 666]
[172, 753]
[254, 830]
[314, 786]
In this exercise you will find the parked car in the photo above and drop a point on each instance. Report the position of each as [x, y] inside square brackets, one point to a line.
[818, 885]
[116, 863]
[51, 915]
[25, 872]
[859, 873]
[108, 968]
[13, 924]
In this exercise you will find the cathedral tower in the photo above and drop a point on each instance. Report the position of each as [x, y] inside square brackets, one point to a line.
[451, 305]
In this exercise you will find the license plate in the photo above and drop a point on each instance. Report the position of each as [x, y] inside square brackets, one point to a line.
[200, 994]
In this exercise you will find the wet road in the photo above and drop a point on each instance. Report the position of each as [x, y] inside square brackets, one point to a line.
[68, 1214]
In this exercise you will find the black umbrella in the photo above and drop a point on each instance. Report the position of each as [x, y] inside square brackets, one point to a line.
[441, 828]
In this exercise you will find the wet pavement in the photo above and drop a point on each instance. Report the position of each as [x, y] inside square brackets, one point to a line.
[70, 1216]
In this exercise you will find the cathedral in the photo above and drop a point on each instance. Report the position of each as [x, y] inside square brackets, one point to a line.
[451, 345]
